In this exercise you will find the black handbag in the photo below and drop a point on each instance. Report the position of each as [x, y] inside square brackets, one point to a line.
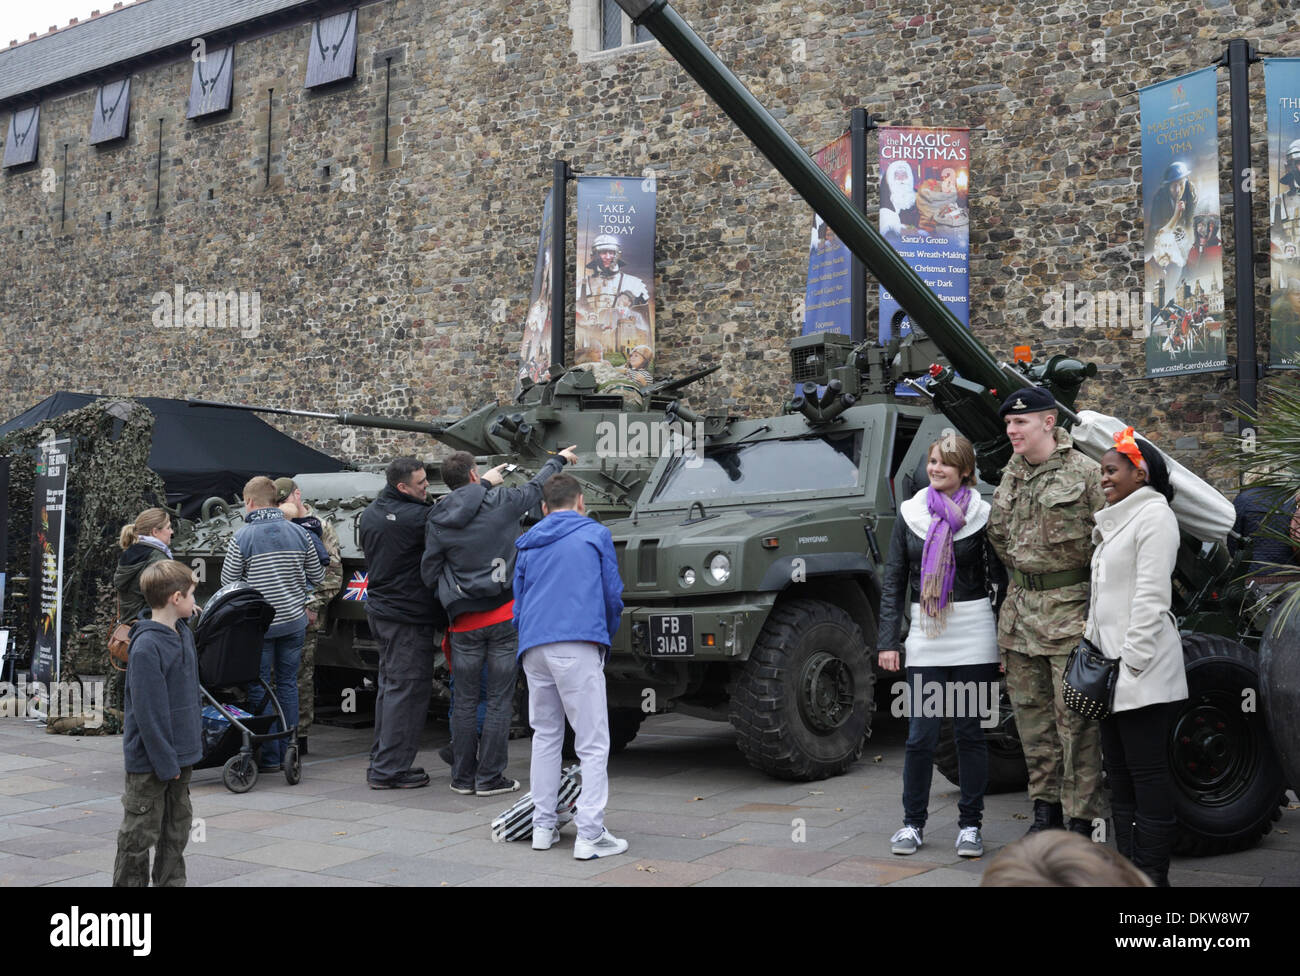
[1089, 684]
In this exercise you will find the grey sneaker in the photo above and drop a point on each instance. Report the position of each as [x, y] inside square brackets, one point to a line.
[969, 842]
[906, 841]
[605, 845]
[543, 838]
[497, 787]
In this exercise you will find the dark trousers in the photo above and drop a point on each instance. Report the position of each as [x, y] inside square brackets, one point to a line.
[157, 814]
[405, 684]
[923, 738]
[480, 760]
[1135, 752]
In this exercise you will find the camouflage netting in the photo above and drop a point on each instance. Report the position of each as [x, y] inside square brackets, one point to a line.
[109, 483]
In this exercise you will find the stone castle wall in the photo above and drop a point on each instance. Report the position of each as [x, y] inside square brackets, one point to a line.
[377, 282]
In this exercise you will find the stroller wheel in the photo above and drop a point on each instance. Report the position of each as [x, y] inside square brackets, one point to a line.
[240, 773]
[292, 766]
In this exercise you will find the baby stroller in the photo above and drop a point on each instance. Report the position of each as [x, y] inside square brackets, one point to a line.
[228, 638]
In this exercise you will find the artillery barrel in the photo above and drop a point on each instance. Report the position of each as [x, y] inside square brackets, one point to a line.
[963, 350]
[347, 419]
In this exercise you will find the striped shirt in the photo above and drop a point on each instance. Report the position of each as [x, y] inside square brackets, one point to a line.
[279, 560]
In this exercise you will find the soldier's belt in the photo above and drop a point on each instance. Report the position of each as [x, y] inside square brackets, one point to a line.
[1051, 581]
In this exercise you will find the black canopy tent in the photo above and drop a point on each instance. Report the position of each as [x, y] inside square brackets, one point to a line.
[199, 451]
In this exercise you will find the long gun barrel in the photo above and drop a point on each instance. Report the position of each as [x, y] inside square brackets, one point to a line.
[348, 419]
[963, 350]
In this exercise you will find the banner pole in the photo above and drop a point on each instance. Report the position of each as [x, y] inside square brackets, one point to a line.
[859, 123]
[560, 175]
[1238, 58]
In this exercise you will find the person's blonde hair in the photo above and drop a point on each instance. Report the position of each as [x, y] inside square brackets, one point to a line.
[1061, 859]
[149, 522]
[260, 491]
[159, 581]
[956, 451]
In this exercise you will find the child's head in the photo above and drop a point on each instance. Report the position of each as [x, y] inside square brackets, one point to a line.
[562, 492]
[259, 493]
[168, 583]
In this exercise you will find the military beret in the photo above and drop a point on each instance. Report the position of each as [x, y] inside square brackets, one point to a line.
[1030, 399]
[284, 487]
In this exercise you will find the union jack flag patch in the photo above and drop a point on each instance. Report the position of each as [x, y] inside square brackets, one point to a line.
[357, 587]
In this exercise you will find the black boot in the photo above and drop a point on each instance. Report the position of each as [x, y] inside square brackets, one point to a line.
[1123, 823]
[1152, 842]
[1080, 826]
[1047, 816]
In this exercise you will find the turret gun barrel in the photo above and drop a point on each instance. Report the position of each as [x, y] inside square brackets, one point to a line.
[347, 419]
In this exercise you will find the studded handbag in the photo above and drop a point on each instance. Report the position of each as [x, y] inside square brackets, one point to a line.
[1089, 684]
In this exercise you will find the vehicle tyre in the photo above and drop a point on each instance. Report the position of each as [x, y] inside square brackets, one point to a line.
[292, 766]
[1279, 672]
[1007, 770]
[239, 773]
[802, 703]
[1228, 783]
[624, 723]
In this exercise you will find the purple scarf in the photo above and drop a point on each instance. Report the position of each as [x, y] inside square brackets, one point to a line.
[938, 565]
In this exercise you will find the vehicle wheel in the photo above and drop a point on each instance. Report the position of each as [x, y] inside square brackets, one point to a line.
[240, 773]
[802, 703]
[624, 723]
[1279, 671]
[1007, 770]
[292, 766]
[1228, 784]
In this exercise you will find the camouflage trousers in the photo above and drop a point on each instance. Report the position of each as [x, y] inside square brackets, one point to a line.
[158, 815]
[307, 683]
[1062, 748]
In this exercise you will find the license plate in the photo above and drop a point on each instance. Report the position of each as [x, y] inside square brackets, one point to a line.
[672, 635]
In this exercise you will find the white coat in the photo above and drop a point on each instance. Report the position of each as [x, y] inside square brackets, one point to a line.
[1129, 616]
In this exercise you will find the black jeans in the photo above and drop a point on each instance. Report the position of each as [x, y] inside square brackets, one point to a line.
[1135, 752]
[964, 692]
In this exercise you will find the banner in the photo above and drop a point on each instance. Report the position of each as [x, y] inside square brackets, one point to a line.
[4, 529]
[828, 297]
[924, 214]
[1183, 249]
[1282, 91]
[535, 353]
[49, 496]
[614, 311]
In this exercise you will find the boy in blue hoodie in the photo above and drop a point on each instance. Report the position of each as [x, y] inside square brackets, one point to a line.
[162, 732]
[568, 602]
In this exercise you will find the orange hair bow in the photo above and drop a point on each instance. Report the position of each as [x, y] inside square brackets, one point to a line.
[1126, 445]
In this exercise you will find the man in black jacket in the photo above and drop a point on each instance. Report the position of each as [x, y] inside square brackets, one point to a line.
[406, 620]
[469, 557]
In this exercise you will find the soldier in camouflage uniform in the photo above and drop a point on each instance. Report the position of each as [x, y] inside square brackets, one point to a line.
[1041, 528]
[289, 495]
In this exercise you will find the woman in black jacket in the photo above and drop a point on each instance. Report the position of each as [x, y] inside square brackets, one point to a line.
[145, 541]
[942, 568]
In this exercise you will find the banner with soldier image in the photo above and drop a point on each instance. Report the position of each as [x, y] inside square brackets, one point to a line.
[925, 214]
[614, 311]
[828, 297]
[535, 353]
[1183, 250]
[1282, 91]
[49, 501]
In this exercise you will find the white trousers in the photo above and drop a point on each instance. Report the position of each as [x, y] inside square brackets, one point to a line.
[568, 679]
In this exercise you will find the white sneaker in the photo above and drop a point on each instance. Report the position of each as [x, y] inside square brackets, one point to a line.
[543, 838]
[606, 845]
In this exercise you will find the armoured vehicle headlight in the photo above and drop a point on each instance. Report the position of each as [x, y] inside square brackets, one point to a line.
[687, 576]
[719, 567]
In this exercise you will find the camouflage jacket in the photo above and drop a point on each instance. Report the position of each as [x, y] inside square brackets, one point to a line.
[1042, 523]
[333, 581]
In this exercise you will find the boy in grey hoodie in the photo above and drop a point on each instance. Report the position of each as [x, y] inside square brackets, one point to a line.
[161, 739]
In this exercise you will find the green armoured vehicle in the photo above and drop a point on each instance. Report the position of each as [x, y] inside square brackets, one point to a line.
[750, 561]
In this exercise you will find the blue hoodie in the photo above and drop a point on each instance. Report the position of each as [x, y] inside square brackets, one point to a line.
[567, 586]
[161, 701]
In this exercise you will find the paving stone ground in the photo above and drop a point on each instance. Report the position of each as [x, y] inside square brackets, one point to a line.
[692, 810]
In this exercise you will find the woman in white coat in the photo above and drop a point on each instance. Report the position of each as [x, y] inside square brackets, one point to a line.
[1136, 544]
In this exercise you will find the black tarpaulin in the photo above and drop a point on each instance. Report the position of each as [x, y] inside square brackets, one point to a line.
[199, 451]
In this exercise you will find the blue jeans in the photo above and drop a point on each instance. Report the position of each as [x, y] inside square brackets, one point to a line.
[923, 738]
[481, 761]
[482, 698]
[281, 657]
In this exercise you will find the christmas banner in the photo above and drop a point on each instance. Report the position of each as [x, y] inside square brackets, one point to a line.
[925, 215]
[828, 297]
[535, 353]
[49, 497]
[1282, 92]
[1183, 250]
[614, 311]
